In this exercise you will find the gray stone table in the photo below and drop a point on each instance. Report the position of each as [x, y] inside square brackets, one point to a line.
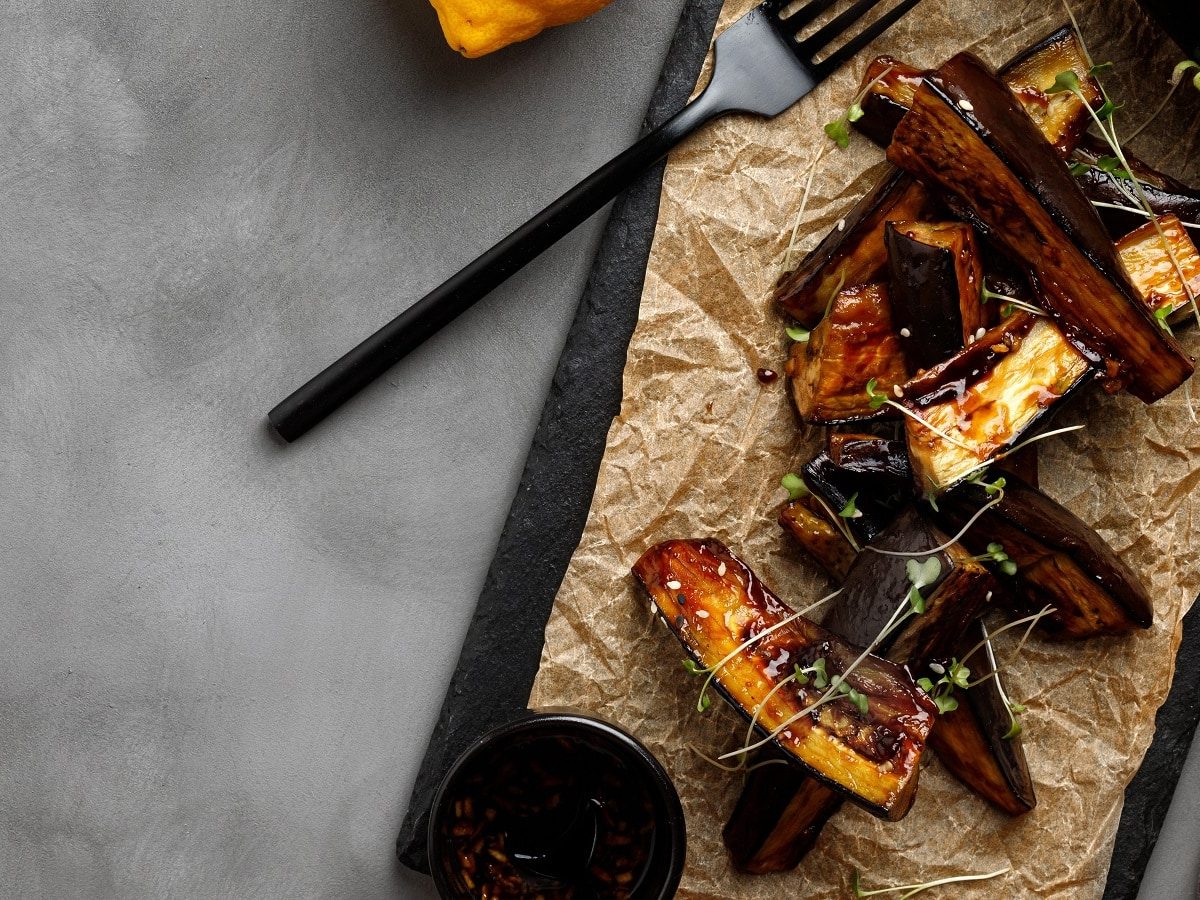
[222, 659]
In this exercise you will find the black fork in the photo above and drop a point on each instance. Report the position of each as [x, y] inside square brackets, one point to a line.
[761, 67]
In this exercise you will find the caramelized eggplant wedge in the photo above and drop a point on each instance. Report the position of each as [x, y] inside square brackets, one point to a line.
[854, 343]
[1152, 270]
[1061, 562]
[1061, 117]
[967, 137]
[988, 396]
[808, 522]
[868, 748]
[976, 742]
[777, 820]
[881, 462]
[935, 288]
[853, 253]
[865, 495]
[890, 86]
[1109, 189]
[878, 584]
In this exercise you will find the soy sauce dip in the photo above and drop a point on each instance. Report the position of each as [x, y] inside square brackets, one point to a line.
[560, 813]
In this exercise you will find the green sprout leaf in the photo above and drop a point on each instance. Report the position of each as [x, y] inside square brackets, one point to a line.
[1065, 81]
[1182, 69]
[923, 574]
[915, 601]
[877, 397]
[1008, 567]
[1160, 316]
[1078, 168]
[1016, 708]
[689, 666]
[798, 334]
[838, 132]
[1112, 166]
[800, 675]
[794, 485]
[1105, 112]
[925, 684]
[705, 702]
[1102, 68]
[851, 510]
[858, 700]
[946, 703]
[1013, 731]
[855, 112]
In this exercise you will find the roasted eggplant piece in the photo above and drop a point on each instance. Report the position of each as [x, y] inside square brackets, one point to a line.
[986, 397]
[975, 741]
[853, 253]
[808, 522]
[716, 606]
[779, 816]
[854, 343]
[891, 85]
[1109, 192]
[936, 279]
[1153, 272]
[1061, 562]
[882, 463]
[877, 488]
[967, 137]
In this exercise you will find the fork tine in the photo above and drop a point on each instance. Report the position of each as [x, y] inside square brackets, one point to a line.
[806, 14]
[868, 34]
[818, 39]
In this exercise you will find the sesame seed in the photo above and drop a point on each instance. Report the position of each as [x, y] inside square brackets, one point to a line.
[966, 104]
[980, 333]
[988, 598]
[938, 668]
[674, 585]
[721, 570]
[841, 225]
[904, 332]
[897, 390]
[702, 614]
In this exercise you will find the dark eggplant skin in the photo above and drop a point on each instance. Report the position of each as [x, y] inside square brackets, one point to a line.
[1164, 194]
[966, 136]
[1061, 562]
[890, 85]
[872, 457]
[777, 819]
[879, 497]
[808, 522]
[936, 278]
[854, 253]
[713, 602]
[970, 740]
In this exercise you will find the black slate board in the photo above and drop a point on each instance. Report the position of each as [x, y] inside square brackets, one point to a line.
[503, 646]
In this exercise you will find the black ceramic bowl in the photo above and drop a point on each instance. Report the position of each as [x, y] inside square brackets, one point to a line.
[561, 805]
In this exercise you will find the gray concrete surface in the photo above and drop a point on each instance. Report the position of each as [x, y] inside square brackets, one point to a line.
[221, 659]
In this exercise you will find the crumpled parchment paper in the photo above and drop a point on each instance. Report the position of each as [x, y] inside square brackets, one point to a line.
[700, 446]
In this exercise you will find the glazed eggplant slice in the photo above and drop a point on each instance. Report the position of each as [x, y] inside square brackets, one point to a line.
[988, 396]
[1061, 562]
[975, 741]
[935, 295]
[852, 253]
[966, 136]
[891, 85]
[878, 584]
[854, 343]
[1152, 270]
[777, 820]
[718, 609]
[1109, 189]
[880, 461]
[808, 522]
[876, 488]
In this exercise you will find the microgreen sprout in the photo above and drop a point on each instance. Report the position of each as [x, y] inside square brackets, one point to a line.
[996, 487]
[1139, 212]
[908, 890]
[879, 399]
[1160, 316]
[798, 333]
[794, 485]
[941, 692]
[975, 472]
[842, 524]
[1014, 709]
[815, 672]
[851, 510]
[995, 554]
[921, 575]
[838, 130]
[812, 171]
[1174, 81]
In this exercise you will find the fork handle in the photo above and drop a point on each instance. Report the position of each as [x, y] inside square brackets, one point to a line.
[328, 390]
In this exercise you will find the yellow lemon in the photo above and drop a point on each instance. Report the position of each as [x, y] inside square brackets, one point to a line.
[476, 27]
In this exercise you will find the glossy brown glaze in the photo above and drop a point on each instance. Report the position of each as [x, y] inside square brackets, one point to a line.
[871, 457]
[1165, 195]
[936, 278]
[852, 253]
[966, 136]
[890, 85]
[1152, 270]
[854, 343]
[878, 494]
[813, 528]
[970, 740]
[714, 603]
[1061, 562]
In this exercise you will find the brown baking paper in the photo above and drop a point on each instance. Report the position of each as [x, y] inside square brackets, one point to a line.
[700, 445]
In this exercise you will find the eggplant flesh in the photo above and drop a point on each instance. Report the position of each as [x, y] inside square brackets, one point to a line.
[970, 740]
[1061, 562]
[967, 137]
[714, 604]
[1152, 270]
[853, 344]
[935, 295]
[806, 520]
[853, 253]
[988, 396]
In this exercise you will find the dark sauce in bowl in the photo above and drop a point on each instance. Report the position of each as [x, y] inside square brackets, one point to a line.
[561, 811]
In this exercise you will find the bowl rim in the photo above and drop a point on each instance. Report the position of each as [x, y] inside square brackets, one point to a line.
[544, 721]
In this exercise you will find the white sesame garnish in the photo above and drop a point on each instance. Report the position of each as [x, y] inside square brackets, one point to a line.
[897, 390]
[966, 104]
[702, 614]
[980, 333]
[841, 226]
[988, 598]
[721, 570]
[938, 668]
[904, 332]
[674, 585]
